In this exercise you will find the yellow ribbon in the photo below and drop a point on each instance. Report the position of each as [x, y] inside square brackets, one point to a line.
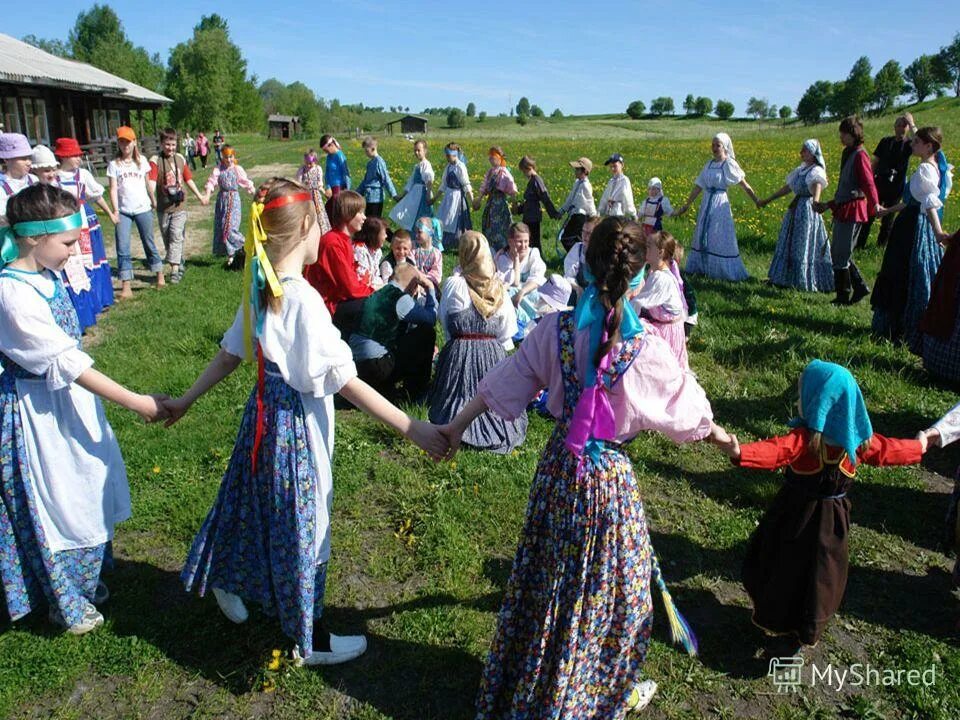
[256, 255]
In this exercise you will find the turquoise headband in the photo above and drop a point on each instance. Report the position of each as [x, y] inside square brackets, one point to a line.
[31, 228]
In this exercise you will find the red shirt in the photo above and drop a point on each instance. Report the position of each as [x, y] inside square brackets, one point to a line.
[171, 178]
[334, 274]
[861, 209]
[793, 449]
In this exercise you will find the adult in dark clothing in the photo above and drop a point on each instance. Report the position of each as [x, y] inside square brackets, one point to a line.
[534, 196]
[890, 161]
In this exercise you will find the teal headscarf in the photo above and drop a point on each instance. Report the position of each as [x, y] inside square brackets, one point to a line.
[831, 403]
[8, 246]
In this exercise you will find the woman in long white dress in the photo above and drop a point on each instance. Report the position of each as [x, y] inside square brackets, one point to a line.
[417, 197]
[714, 251]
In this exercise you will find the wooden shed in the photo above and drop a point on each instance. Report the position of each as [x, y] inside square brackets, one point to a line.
[45, 97]
[409, 124]
[283, 127]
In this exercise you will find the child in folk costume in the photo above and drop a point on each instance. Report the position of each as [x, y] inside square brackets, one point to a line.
[414, 202]
[523, 271]
[575, 261]
[454, 210]
[661, 299]
[796, 566]
[913, 252]
[479, 322]
[401, 251]
[714, 250]
[16, 156]
[801, 258]
[63, 484]
[280, 470]
[497, 186]
[229, 177]
[74, 276]
[534, 196]
[939, 340]
[83, 186]
[854, 203]
[579, 203]
[310, 175]
[617, 197]
[943, 432]
[426, 256]
[376, 182]
[655, 206]
[337, 170]
[368, 250]
[577, 614]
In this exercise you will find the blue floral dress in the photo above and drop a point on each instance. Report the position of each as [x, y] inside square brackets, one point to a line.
[35, 566]
[714, 251]
[227, 238]
[801, 258]
[577, 614]
[267, 536]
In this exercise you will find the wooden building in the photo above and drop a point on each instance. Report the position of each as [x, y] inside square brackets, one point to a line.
[283, 127]
[409, 124]
[45, 97]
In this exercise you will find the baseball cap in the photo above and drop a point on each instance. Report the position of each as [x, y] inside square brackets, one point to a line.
[125, 132]
[616, 157]
[584, 163]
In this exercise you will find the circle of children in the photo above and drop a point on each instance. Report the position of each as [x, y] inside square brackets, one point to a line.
[602, 349]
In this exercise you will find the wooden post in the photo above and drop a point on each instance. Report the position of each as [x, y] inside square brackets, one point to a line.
[155, 131]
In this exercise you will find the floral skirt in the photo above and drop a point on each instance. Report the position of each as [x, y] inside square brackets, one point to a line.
[577, 615]
[227, 238]
[258, 538]
[101, 281]
[33, 575]
[801, 258]
[496, 220]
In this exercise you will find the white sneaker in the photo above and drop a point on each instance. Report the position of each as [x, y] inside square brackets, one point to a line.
[231, 605]
[342, 649]
[641, 695]
[92, 619]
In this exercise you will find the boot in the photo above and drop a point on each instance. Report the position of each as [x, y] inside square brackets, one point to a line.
[860, 289]
[841, 281]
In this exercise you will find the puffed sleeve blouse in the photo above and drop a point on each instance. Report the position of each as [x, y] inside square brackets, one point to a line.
[814, 175]
[925, 187]
[724, 174]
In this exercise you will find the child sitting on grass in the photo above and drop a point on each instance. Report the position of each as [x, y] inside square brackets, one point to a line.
[660, 300]
[401, 251]
[368, 250]
[426, 255]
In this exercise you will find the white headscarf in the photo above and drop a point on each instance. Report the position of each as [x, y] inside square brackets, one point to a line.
[727, 144]
[813, 147]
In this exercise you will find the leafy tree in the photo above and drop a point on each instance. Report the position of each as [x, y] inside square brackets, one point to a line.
[482, 116]
[536, 111]
[271, 94]
[690, 104]
[471, 109]
[636, 109]
[455, 118]
[98, 38]
[406, 109]
[921, 77]
[758, 107]
[724, 109]
[557, 114]
[54, 47]
[852, 95]
[815, 101]
[662, 106]
[888, 85]
[947, 64]
[703, 106]
[785, 112]
[523, 107]
[522, 118]
[207, 79]
[771, 111]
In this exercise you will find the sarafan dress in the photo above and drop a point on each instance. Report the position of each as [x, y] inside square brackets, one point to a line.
[62, 477]
[714, 251]
[267, 536]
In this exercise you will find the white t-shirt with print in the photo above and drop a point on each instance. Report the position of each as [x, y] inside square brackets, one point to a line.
[131, 185]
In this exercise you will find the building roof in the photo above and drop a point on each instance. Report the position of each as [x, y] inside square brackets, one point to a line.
[24, 64]
[408, 117]
[283, 118]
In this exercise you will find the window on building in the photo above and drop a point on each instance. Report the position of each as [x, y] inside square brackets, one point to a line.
[100, 129]
[11, 115]
[35, 115]
[115, 122]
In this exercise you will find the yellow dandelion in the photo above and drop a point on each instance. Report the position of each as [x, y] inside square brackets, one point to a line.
[276, 653]
[156, 469]
[274, 664]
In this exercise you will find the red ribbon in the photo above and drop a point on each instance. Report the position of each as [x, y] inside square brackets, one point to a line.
[287, 200]
[258, 432]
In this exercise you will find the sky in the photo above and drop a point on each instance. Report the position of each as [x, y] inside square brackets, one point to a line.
[582, 57]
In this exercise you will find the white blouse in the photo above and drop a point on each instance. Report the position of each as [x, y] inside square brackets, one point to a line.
[426, 174]
[532, 267]
[949, 426]
[580, 200]
[720, 174]
[617, 198]
[456, 298]
[814, 175]
[925, 187]
[572, 261]
[660, 293]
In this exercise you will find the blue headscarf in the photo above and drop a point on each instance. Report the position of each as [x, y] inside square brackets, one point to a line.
[813, 147]
[831, 403]
[946, 178]
[590, 313]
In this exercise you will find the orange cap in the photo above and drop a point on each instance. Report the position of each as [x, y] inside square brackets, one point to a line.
[126, 133]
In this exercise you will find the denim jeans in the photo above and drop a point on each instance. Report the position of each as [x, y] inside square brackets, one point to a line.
[124, 228]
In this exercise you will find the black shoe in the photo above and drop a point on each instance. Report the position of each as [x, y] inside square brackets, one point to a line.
[860, 289]
[841, 281]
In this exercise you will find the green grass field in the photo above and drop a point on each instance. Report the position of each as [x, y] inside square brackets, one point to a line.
[422, 551]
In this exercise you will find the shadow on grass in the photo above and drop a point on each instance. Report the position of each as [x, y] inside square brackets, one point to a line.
[402, 679]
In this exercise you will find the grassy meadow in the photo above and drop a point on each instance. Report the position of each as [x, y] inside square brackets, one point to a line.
[422, 551]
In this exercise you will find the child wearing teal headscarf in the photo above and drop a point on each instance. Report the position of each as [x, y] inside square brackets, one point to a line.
[796, 566]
